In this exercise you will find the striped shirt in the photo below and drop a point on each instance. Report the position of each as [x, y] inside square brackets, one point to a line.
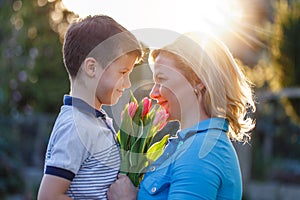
[82, 148]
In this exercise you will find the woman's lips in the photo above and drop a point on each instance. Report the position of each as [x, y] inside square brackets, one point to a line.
[163, 104]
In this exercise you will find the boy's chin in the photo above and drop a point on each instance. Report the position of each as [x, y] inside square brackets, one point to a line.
[114, 101]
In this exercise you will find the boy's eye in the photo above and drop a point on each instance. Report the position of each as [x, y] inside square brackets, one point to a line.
[124, 71]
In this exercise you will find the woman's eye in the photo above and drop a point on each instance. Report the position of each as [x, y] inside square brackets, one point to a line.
[160, 79]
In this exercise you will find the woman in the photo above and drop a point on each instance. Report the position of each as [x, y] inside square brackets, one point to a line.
[199, 84]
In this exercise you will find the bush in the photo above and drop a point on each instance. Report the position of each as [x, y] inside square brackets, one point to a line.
[11, 181]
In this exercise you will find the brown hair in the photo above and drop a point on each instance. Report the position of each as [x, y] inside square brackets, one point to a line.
[84, 35]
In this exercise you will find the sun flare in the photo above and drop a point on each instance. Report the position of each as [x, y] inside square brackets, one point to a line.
[213, 16]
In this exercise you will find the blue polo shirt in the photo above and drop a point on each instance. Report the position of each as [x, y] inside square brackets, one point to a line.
[201, 163]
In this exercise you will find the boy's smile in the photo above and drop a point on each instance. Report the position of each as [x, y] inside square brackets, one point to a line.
[115, 79]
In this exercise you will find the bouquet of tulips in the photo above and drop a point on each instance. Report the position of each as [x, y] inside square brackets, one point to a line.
[140, 123]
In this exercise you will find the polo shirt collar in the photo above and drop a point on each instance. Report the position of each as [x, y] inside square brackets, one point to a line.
[83, 106]
[203, 126]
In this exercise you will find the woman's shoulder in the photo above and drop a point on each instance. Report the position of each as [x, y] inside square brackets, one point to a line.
[203, 146]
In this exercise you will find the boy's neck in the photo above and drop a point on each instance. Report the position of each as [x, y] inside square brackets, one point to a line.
[84, 94]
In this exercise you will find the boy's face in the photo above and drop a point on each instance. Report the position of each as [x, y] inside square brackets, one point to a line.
[115, 79]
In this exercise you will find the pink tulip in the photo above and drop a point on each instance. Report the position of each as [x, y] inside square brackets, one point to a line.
[132, 108]
[160, 119]
[147, 103]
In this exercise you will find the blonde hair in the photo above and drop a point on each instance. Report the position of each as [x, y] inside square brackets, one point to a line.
[228, 93]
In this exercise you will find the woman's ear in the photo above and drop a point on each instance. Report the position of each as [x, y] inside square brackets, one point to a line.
[89, 66]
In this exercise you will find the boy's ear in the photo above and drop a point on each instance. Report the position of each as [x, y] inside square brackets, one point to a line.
[89, 66]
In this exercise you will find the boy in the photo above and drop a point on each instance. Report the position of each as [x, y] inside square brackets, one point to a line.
[83, 157]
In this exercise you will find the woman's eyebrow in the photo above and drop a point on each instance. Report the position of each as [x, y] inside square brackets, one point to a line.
[159, 75]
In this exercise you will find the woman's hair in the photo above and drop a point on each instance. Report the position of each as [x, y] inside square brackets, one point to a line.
[98, 36]
[227, 94]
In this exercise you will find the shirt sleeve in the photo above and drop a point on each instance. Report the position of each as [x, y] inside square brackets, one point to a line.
[66, 152]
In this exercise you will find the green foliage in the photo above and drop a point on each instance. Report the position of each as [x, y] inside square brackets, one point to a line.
[33, 77]
[286, 52]
[279, 66]
[156, 149]
[274, 125]
[287, 22]
[276, 136]
[11, 181]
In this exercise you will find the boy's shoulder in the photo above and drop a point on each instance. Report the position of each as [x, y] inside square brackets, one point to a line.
[82, 128]
[76, 120]
[75, 117]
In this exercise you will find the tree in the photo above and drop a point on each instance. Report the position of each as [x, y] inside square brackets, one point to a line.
[280, 65]
[286, 51]
[276, 140]
[33, 77]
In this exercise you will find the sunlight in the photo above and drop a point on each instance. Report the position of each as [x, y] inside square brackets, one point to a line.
[210, 16]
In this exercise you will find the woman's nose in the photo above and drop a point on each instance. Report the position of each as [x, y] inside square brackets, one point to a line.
[154, 94]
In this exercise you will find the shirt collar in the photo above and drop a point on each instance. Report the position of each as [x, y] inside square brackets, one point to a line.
[203, 126]
[83, 106]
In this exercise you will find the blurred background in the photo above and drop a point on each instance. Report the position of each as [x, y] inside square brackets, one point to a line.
[264, 36]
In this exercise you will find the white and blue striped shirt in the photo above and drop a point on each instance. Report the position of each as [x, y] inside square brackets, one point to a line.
[82, 148]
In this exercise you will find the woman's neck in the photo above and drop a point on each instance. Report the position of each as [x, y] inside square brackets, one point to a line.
[192, 118]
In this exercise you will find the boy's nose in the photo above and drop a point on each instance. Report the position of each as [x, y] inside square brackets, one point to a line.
[127, 83]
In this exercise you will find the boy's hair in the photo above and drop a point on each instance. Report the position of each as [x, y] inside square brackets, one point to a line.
[86, 35]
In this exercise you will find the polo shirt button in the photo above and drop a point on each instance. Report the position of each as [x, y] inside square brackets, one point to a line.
[168, 155]
[152, 169]
[153, 189]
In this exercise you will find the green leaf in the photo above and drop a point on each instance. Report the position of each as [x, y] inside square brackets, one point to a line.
[157, 149]
[138, 115]
[125, 130]
[135, 178]
[125, 165]
[135, 146]
[132, 97]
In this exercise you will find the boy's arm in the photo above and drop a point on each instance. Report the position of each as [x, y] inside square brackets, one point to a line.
[53, 187]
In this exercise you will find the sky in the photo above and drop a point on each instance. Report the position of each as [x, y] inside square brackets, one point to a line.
[164, 16]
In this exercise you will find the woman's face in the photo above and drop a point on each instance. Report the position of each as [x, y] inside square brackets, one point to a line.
[171, 89]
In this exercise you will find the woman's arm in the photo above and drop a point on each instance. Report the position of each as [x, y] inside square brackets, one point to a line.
[53, 188]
